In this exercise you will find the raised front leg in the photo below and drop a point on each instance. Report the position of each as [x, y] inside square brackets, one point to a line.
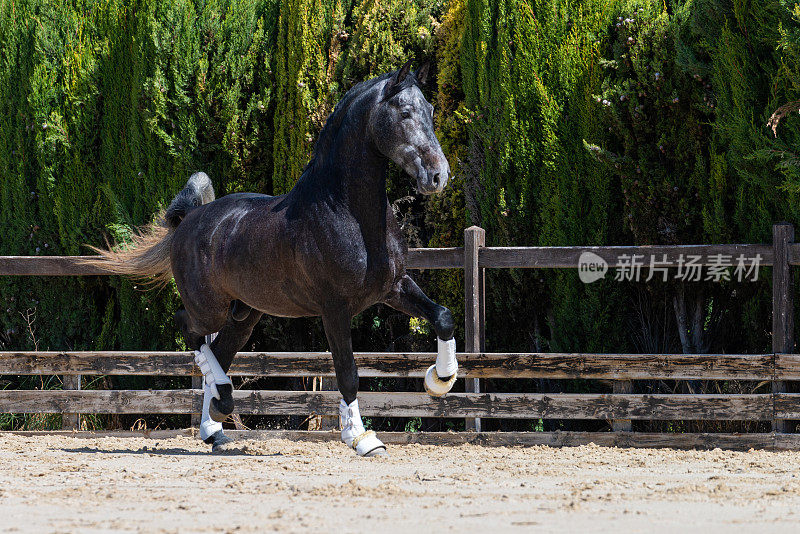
[407, 297]
[336, 320]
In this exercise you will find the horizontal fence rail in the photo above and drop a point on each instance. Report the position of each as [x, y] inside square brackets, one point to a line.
[660, 256]
[414, 365]
[419, 258]
[488, 257]
[621, 406]
[752, 407]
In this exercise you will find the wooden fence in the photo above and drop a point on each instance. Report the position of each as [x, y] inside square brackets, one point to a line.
[619, 407]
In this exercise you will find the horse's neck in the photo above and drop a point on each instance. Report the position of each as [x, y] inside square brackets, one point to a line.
[354, 177]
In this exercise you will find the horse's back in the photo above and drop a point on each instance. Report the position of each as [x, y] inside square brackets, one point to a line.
[238, 247]
[245, 196]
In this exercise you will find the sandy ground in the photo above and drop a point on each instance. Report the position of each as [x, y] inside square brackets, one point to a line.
[68, 484]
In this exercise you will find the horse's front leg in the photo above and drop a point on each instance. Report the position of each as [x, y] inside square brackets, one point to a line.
[407, 297]
[336, 320]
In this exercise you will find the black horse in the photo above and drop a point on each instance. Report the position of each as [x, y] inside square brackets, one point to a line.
[331, 247]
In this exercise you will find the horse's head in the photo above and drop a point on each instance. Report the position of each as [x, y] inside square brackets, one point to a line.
[402, 128]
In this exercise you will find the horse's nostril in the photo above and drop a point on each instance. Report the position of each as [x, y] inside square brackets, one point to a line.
[436, 179]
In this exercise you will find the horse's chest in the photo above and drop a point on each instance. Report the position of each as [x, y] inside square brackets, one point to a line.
[374, 270]
[354, 262]
[381, 271]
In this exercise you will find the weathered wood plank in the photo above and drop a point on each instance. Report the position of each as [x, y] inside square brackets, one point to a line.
[478, 365]
[101, 401]
[567, 257]
[731, 441]
[435, 258]
[418, 258]
[500, 405]
[71, 420]
[622, 425]
[197, 383]
[794, 253]
[453, 258]
[46, 266]
[787, 366]
[787, 406]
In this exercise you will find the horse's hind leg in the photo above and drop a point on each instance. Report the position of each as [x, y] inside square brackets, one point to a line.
[210, 430]
[407, 297]
[215, 361]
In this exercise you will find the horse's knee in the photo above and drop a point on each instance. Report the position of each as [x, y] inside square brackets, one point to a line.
[444, 325]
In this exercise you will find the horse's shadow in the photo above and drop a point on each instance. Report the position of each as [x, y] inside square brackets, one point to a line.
[227, 451]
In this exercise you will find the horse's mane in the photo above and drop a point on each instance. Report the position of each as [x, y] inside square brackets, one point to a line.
[327, 135]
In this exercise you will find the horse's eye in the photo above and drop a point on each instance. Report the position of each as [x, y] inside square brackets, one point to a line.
[405, 114]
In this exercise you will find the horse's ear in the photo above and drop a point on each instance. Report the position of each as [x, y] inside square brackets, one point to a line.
[395, 83]
[421, 74]
[402, 73]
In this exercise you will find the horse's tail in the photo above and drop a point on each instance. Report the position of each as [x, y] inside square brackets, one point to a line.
[147, 256]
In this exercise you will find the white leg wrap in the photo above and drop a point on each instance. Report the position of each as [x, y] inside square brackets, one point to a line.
[208, 427]
[211, 369]
[446, 363]
[446, 366]
[353, 434]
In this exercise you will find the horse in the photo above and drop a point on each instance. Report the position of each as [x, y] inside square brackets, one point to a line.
[331, 247]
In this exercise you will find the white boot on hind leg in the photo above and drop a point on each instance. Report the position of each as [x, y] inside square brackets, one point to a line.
[365, 442]
[446, 366]
[210, 430]
[213, 378]
[213, 375]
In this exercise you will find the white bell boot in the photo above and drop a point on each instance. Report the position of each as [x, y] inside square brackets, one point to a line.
[446, 366]
[365, 442]
[210, 430]
[208, 427]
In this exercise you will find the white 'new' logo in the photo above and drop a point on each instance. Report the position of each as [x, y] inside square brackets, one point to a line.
[591, 267]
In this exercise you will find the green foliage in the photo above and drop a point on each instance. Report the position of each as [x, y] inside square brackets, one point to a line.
[659, 110]
[529, 70]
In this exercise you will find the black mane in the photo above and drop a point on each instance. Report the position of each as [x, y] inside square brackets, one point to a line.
[334, 121]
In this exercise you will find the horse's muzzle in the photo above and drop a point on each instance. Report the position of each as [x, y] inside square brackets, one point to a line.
[433, 179]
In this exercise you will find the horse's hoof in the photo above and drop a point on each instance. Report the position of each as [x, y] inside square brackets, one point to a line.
[220, 409]
[217, 440]
[379, 452]
[435, 386]
[368, 445]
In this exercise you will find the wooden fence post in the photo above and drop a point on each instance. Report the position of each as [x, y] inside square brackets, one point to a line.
[622, 425]
[71, 421]
[782, 303]
[197, 383]
[474, 307]
[323, 422]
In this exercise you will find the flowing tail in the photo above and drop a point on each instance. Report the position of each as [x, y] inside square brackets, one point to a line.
[147, 256]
